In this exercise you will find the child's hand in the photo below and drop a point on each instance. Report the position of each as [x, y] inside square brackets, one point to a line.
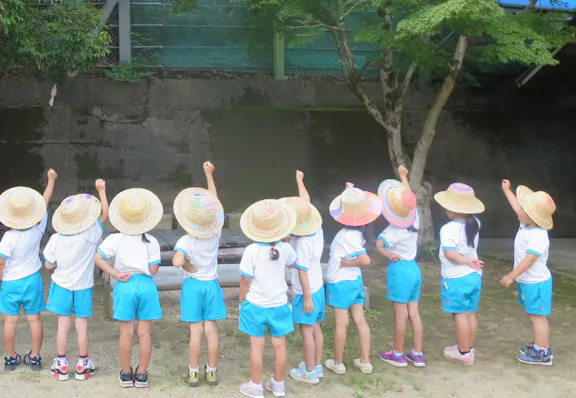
[100, 185]
[189, 268]
[308, 305]
[52, 175]
[507, 280]
[393, 257]
[402, 171]
[349, 185]
[299, 176]
[208, 168]
[505, 185]
[123, 276]
[476, 264]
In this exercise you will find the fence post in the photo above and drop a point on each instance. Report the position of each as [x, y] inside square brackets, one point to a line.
[124, 31]
[279, 65]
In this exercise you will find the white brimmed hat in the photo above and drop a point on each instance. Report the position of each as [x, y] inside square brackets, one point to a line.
[268, 220]
[198, 212]
[308, 218]
[135, 211]
[460, 198]
[538, 205]
[355, 207]
[76, 214]
[21, 207]
[398, 203]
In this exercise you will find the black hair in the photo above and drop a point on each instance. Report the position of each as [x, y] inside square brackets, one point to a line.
[145, 239]
[412, 228]
[472, 229]
[274, 253]
[361, 229]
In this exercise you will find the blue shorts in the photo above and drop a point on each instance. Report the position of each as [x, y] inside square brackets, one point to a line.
[344, 294]
[461, 295]
[27, 292]
[254, 320]
[201, 301]
[62, 301]
[137, 299]
[301, 317]
[404, 281]
[536, 298]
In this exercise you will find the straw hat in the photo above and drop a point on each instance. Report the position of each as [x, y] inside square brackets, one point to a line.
[76, 214]
[268, 221]
[398, 203]
[308, 218]
[460, 198]
[135, 211]
[355, 207]
[538, 205]
[199, 213]
[21, 208]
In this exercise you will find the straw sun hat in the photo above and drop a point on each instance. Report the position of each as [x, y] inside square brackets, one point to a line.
[398, 203]
[198, 212]
[355, 207]
[538, 205]
[308, 218]
[21, 207]
[76, 214]
[268, 221]
[135, 211]
[460, 198]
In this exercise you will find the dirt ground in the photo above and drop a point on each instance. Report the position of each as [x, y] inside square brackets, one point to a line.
[503, 329]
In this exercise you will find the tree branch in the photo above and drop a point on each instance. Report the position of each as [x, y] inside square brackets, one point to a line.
[408, 78]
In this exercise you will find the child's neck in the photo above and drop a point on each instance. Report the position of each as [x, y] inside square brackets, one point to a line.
[460, 218]
[531, 225]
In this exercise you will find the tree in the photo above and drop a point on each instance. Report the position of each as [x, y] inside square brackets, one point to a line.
[413, 39]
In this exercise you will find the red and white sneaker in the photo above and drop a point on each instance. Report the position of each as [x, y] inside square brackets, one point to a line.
[84, 369]
[59, 369]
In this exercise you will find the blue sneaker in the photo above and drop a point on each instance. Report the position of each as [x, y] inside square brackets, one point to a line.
[536, 357]
[319, 369]
[301, 374]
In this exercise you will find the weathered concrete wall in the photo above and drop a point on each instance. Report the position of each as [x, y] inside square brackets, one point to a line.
[156, 134]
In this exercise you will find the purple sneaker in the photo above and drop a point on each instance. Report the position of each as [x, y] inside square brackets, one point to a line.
[417, 360]
[276, 388]
[391, 358]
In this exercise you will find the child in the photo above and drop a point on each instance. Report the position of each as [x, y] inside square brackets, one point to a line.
[461, 269]
[24, 210]
[200, 213]
[79, 226]
[263, 299]
[308, 305]
[531, 246]
[399, 243]
[345, 289]
[133, 212]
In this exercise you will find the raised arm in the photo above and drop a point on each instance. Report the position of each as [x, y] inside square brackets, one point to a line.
[208, 170]
[101, 188]
[512, 199]
[403, 174]
[302, 191]
[50, 186]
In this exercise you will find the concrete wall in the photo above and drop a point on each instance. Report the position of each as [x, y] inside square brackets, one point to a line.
[156, 134]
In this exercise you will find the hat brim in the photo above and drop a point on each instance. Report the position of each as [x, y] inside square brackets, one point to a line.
[526, 198]
[307, 228]
[374, 210]
[22, 222]
[145, 225]
[198, 230]
[258, 235]
[62, 226]
[393, 218]
[474, 207]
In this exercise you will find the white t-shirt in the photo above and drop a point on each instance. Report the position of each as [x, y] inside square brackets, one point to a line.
[347, 243]
[453, 237]
[202, 253]
[21, 249]
[532, 241]
[131, 254]
[74, 257]
[309, 252]
[268, 288]
[400, 241]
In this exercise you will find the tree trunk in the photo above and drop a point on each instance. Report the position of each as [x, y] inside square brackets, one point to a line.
[426, 230]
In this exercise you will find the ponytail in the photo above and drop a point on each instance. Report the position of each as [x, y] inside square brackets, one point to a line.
[412, 228]
[145, 239]
[274, 253]
[472, 229]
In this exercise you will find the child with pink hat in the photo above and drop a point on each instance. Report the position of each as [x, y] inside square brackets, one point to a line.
[399, 244]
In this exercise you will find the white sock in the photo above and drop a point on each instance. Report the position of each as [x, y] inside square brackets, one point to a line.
[209, 369]
[192, 370]
[538, 348]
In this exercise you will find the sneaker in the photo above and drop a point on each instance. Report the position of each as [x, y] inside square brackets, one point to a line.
[301, 374]
[454, 355]
[35, 363]
[455, 348]
[192, 378]
[527, 346]
[536, 357]
[365, 368]
[10, 363]
[391, 358]
[85, 369]
[276, 388]
[318, 368]
[338, 369]
[140, 379]
[251, 390]
[126, 379]
[59, 369]
[417, 360]
[211, 376]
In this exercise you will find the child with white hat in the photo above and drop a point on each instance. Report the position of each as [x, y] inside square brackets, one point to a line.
[200, 213]
[136, 254]
[263, 300]
[24, 211]
[78, 223]
[355, 209]
[461, 269]
[531, 273]
[399, 244]
[309, 302]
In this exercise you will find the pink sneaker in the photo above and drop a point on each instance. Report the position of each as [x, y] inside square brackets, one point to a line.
[455, 348]
[454, 355]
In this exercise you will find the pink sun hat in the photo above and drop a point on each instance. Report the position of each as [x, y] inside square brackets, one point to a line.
[355, 207]
[398, 203]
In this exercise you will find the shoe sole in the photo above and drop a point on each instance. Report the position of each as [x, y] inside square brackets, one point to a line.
[83, 376]
[141, 385]
[59, 376]
[535, 363]
[193, 385]
[126, 384]
[336, 371]
[212, 383]
[276, 394]
[251, 396]
[305, 380]
[457, 361]
[417, 364]
[393, 363]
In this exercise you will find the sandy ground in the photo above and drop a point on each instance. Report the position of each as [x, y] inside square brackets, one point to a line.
[503, 329]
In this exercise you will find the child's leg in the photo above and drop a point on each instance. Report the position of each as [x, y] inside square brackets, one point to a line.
[417, 329]
[213, 342]
[357, 312]
[319, 344]
[82, 335]
[35, 323]
[125, 345]
[195, 343]
[145, 344]
[400, 319]
[280, 357]
[9, 334]
[541, 330]
[462, 326]
[308, 346]
[62, 335]
[473, 323]
[256, 358]
[341, 323]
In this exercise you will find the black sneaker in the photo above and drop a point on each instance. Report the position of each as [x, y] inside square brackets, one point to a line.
[140, 379]
[10, 363]
[35, 363]
[126, 379]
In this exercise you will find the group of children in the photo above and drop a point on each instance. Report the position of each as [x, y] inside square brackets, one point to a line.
[286, 233]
